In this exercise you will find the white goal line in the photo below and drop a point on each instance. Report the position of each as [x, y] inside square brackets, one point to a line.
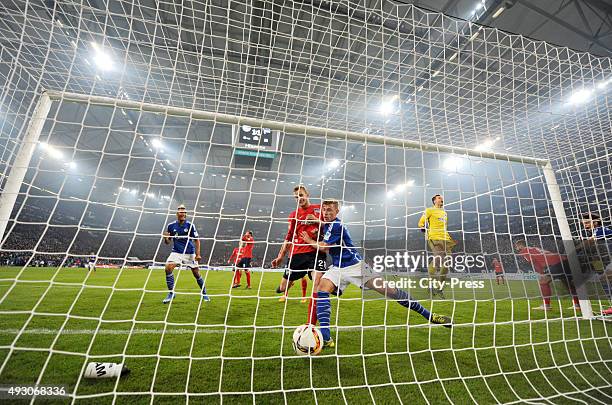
[246, 329]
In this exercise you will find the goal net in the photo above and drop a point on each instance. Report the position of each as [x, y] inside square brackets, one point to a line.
[113, 116]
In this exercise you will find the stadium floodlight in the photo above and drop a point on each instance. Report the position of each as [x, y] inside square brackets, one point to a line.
[603, 84]
[486, 145]
[157, 144]
[133, 191]
[72, 165]
[498, 12]
[452, 163]
[388, 106]
[580, 96]
[51, 151]
[400, 187]
[101, 58]
[333, 164]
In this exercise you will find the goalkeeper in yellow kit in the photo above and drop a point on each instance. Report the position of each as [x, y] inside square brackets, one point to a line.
[434, 223]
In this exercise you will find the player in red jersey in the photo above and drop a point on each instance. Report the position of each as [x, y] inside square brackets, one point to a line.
[499, 271]
[241, 258]
[550, 266]
[303, 258]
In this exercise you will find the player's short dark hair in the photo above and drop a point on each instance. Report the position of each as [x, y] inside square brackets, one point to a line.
[433, 199]
[520, 242]
[250, 232]
[593, 217]
[300, 187]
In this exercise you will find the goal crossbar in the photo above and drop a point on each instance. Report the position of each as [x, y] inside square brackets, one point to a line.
[287, 127]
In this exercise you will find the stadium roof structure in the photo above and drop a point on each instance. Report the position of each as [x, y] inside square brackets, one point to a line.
[376, 67]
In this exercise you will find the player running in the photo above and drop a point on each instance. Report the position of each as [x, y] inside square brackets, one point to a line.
[185, 251]
[303, 258]
[549, 266]
[241, 259]
[434, 223]
[499, 271]
[595, 245]
[349, 268]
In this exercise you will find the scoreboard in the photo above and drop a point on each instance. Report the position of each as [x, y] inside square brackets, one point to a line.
[256, 142]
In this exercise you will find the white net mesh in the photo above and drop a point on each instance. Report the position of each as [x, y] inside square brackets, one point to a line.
[362, 96]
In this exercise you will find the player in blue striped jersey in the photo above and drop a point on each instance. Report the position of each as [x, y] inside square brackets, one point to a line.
[349, 268]
[185, 251]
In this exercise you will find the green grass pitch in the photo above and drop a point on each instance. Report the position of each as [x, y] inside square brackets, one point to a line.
[234, 350]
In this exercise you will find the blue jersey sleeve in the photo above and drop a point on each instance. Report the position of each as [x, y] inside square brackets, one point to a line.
[193, 232]
[602, 233]
[169, 228]
[333, 235]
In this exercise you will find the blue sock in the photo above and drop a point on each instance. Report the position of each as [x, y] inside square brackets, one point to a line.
[404, 299]
[324, 313]
[170, 281]
[200, 282]
[605, 284]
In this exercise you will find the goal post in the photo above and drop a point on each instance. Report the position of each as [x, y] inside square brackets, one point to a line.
[27, 145]
[568, 240]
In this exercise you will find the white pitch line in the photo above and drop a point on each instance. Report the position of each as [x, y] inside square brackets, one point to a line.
[186, 331]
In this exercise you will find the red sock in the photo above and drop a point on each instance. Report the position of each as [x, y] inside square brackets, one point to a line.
[304, 286]
[248, 275]
[546, 292]
[312, 309]
[572, 291]
[238, 276]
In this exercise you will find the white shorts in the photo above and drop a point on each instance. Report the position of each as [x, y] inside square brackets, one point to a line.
[358, 274]
[91, 265]
[182, 259]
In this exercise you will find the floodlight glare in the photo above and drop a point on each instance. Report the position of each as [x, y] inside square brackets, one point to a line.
[386, 108]
[581, 96]
[452, 163]
[102, 59]
[334, 164]
[486, 145]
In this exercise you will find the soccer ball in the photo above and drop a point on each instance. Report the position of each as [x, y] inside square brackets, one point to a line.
[307, 339]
